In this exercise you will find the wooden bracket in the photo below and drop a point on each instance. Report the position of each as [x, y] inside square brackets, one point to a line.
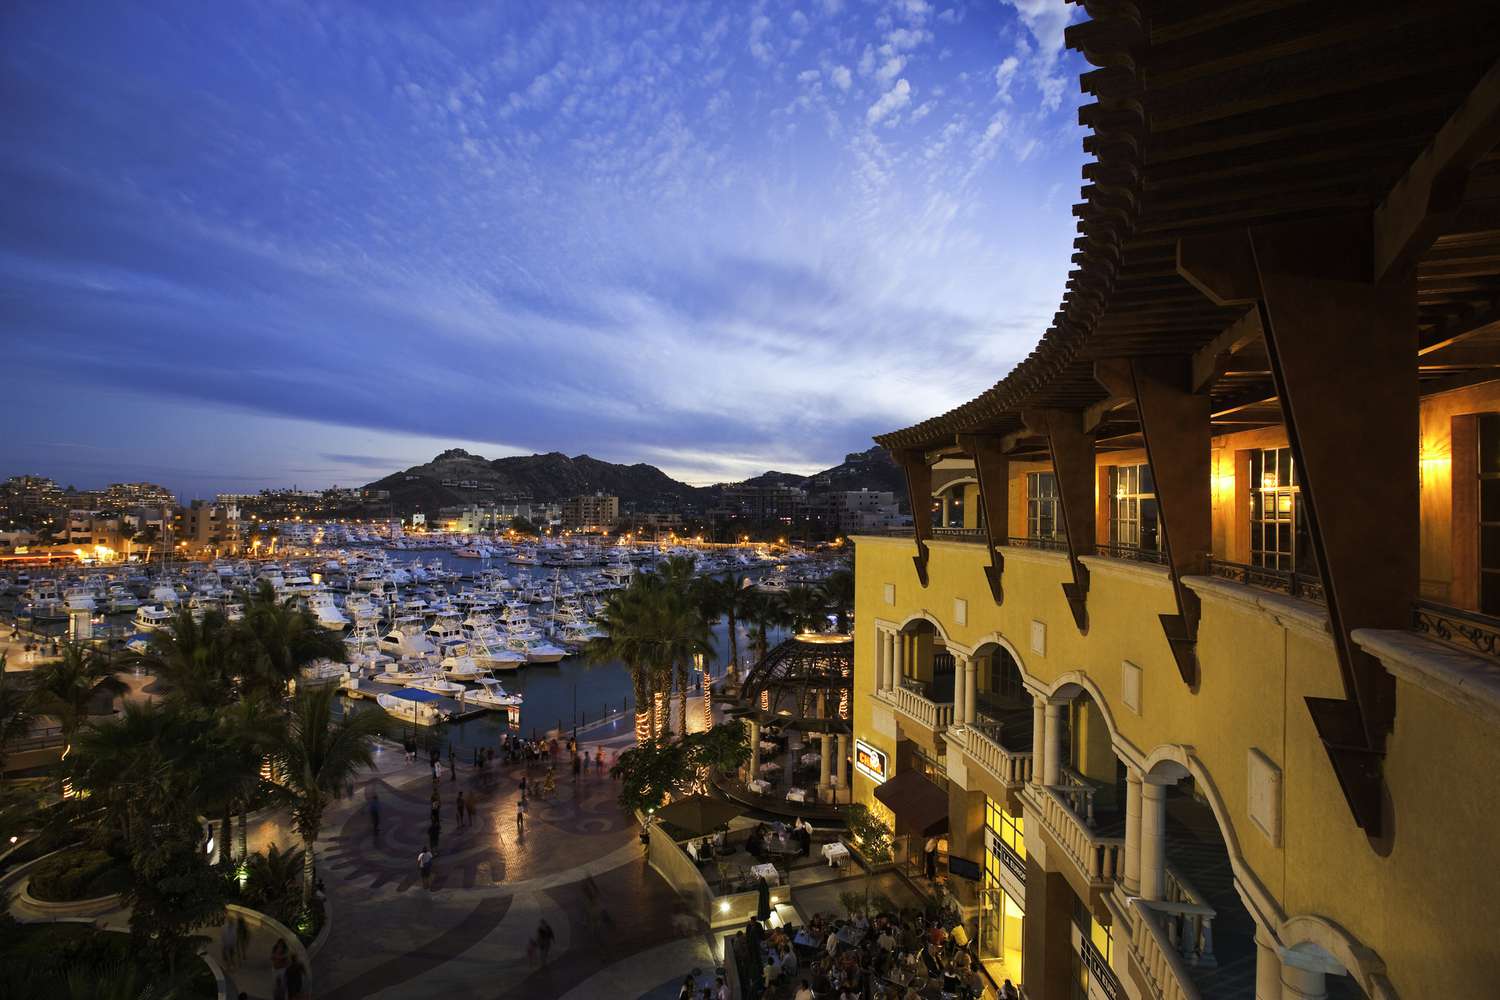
[1360, 489]
[913, 462]
[1072, 450]
[992, 467]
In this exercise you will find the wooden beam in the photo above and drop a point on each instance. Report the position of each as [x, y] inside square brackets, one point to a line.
[919, 494]
[1457, 331]
[992, 467]
[1425, 201]
[1072, 451]
[1211, 359]
[1220, 266]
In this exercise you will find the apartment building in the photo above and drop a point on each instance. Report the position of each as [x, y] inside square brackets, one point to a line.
[595, 512]
[1197, 629]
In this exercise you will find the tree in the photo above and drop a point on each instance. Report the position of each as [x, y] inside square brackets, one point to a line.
[65, 688]
[722, 749]
[195, 660]
[873, 839]
[838, 595]
[15, 713]
[252, 728]
[280, 639]
[764, 611]
[802, 608]
[720, 597]
[317, 758]
[651, 773]
[625, 621]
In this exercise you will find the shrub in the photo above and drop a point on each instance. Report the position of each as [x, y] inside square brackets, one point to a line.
[75, 874]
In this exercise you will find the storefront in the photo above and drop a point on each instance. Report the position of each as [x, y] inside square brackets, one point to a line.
[1002, 895]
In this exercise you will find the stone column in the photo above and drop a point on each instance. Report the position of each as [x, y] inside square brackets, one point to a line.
[947, 508]
[841, 762]
[960, 674]
[1153, 851]
[1267, 966]
[898, 661]
[754, 749]
[1132, 878]
[971, 692]
[825, 761]
[880, 658]
[1302, 984]
[1038, 739]
[1053, 765]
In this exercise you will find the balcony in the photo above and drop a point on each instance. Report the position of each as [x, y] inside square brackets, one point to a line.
[1099, 858]
[911, 699]
[1464, 630]
[1170, 939]
[1304, 586]
[981, 743]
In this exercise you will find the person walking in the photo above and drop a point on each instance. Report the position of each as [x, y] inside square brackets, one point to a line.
[375, 816]
[241, 937]
[544, 938]
[520, 818]
[452, 764]
[576, 768]
[229, 943]
[278, 970]
[458, 808]
[523, 788]
[424, 865]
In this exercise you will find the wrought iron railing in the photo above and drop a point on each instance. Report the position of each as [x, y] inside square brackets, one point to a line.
[1099, 970]
[1045, 544]
[960, 535]
[1300, 585]
[1133, 552]
[1473, 633]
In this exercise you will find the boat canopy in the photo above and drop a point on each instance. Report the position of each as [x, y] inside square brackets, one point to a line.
[413, 694]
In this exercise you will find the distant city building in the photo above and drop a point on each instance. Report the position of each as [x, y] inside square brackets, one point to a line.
[122, 495]
[847, 512]
[590, 513]
[650, 522]
[202, 528]
[761, 505]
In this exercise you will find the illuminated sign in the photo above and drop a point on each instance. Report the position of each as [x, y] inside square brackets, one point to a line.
[870, 762]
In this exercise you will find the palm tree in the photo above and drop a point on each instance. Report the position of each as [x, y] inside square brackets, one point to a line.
[721, 598]
[684, 635]
[318, 757]
[764, 611]
[253, 727]
[625, 620]
[281, 639]
[195, 660]
[838, 594]
[802, 608]
[15, 714]
[65, 688]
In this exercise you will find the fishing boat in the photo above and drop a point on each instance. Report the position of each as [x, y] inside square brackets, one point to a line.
[436, 684]
[152, 617]
[492, 694]
[422, 708]
[462, 668]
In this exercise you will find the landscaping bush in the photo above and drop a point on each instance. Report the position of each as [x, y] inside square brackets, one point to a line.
[77, 873]
[75, 961]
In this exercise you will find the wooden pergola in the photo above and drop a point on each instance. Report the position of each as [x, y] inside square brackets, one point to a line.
[1293, 212]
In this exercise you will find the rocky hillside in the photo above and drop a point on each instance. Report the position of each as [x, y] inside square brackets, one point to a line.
[458, 477]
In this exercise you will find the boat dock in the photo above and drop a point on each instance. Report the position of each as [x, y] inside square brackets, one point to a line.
[456, 712]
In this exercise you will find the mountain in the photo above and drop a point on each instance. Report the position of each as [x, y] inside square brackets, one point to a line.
[458, 477]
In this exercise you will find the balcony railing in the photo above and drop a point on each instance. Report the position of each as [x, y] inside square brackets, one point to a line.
[1300, 585]
[976, 535]
[1165, 972]
[1009, 767]
[912, 702]
[1134, 553]
[1098, 858]
[1045, 544]
[1465, 630]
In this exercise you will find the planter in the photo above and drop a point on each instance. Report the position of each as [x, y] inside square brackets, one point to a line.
[270, 925]
[95, 907]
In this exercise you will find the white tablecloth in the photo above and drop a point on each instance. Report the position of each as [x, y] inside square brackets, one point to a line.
[769, 766]
[768, 746]
[760, 786]
[767, 872]
[836, 853]
[811, 758]
[797, 795]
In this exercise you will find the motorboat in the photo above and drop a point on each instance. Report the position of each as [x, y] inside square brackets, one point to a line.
[462, 668]
[436, 684]
[400, 643]
[413, 705]
[323, 607]
[495, 655]
[403, 673]
[152, 617]
[120, 600]
[492, 694]
[538, 650]
[164, 593]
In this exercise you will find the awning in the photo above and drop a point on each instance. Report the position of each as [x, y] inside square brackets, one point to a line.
[921, 807]
[415, 694]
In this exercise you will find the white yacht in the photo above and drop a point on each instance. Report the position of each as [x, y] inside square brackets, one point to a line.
[495, 655]
[164, 593]
[492, 694]
[326, 611]
[462, 668]
[412, 705]
[402, 643]
[436, 684]
[537, 649]
[152, 617]
[119, 599]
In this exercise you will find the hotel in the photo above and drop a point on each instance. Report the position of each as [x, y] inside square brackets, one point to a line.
[1191, 660]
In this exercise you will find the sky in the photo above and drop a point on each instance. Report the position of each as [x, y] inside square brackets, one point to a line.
[250, 245]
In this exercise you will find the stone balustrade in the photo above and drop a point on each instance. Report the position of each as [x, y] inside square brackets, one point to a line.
[1100, 859]
[936, 716]
[1011, 768]
[1165, 973]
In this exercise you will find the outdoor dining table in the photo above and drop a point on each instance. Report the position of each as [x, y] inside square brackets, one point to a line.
[769, 766]
[836, 853]
[811, 758]
[775, 845]
[797, 795]
[768, 872]
[759, 786]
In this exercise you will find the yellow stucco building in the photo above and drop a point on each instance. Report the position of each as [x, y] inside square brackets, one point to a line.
[1198, 628]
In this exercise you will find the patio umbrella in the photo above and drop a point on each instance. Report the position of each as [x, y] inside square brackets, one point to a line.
[698, 814]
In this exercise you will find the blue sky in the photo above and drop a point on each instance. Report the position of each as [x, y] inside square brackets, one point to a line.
[247, 245]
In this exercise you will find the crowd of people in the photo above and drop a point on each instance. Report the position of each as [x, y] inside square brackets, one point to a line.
[892, 956]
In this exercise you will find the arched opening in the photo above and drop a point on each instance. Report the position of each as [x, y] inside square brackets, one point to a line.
[1090, 776]
[956, 506]
[926, 664]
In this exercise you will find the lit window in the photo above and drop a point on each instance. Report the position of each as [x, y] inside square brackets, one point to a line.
[1043, 512]
[1132, 507]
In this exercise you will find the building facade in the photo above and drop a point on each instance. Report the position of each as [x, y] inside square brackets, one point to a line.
[595, 512]
[1196, 627]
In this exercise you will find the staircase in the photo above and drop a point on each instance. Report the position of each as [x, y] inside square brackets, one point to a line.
[1196, 849]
